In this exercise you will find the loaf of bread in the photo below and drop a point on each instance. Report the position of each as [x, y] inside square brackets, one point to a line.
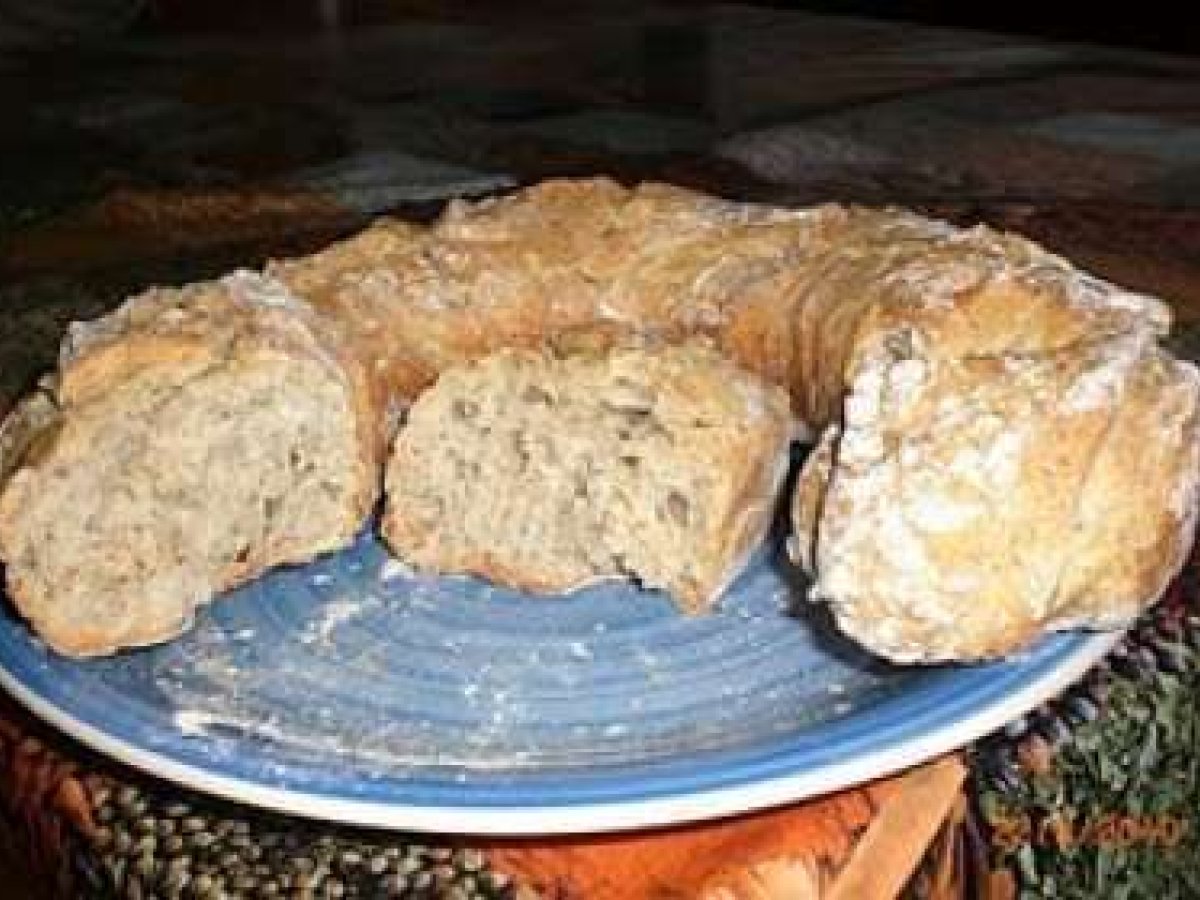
[548, 473]
[1003, 446]
[195, 438]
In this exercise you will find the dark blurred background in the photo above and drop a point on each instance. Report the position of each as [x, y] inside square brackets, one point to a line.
[1156, 25]
[1146, 25]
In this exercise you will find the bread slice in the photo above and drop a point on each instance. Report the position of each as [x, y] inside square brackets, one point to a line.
[548, 473]
[199, 437]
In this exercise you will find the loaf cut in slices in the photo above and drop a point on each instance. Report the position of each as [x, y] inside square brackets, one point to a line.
[196, 437]
[548, 472]
[1005, 448]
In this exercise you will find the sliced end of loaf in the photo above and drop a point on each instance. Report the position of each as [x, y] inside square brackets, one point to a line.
[163, 486]
[549, 473]
[153, 499]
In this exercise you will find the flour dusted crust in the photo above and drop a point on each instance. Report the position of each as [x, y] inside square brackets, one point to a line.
[1003, 448]
[982, 484]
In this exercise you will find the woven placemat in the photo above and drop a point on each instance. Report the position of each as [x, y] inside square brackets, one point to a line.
[80, 827]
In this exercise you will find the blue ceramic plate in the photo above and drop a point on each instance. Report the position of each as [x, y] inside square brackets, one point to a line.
[351, 690]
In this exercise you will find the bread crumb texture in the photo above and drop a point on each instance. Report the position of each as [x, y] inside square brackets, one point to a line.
[220, 451]
[549, 473]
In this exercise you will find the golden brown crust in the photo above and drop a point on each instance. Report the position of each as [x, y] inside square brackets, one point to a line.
[883, 274]
[568, 256]
[352, 284]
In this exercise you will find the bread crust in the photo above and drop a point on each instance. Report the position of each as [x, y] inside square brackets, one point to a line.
[837, 305]
[568, 257]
